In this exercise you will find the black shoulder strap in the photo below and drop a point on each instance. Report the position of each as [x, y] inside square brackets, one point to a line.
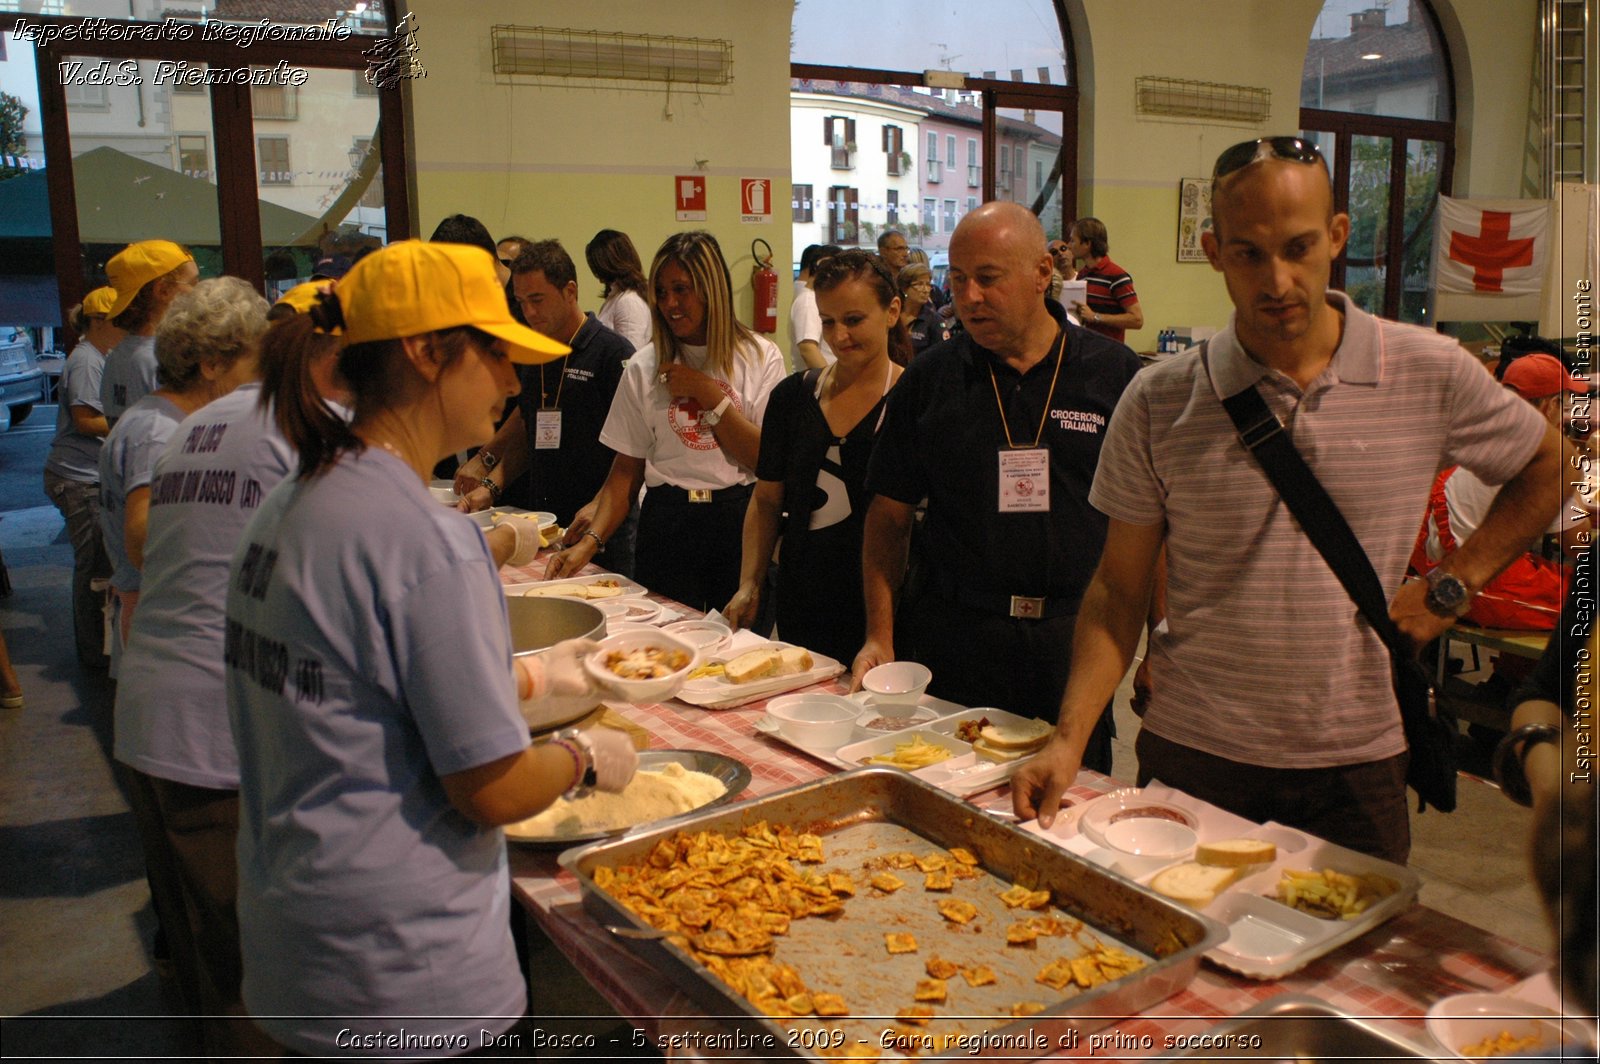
[1264, 436]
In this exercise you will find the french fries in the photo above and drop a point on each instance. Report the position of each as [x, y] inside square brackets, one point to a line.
[914, 753]
[1331, 895]
[1501, 1044]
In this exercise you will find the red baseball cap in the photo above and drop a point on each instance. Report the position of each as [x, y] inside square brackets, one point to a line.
[1536, 377]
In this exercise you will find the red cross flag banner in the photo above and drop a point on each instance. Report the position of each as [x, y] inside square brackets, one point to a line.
[1491, 259]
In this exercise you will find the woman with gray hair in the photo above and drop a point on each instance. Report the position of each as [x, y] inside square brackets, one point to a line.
[205, 347]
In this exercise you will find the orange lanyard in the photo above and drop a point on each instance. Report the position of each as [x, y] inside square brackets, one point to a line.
[1037, 436]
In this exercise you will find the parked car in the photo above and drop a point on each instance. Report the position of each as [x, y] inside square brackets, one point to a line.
[22, 382]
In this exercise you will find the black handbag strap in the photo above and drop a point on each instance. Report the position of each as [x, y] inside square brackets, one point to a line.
[1265, 437]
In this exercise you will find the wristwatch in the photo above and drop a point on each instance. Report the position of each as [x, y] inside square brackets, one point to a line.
[488, 458]
[711, 418]
[1447, 595]
[575, 739]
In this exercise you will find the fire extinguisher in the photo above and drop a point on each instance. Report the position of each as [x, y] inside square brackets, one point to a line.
[764, 281]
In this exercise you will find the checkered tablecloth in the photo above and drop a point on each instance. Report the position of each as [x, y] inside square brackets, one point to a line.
[1390, 975]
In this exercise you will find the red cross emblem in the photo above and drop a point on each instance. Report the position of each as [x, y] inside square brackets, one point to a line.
[1492, 252]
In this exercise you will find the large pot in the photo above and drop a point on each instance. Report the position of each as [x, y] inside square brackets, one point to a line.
[537, 624]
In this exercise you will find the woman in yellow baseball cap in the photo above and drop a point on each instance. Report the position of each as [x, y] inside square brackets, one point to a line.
[371, 687]
[72, 467]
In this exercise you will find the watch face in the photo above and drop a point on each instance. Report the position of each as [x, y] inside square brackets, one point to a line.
[1447, 595]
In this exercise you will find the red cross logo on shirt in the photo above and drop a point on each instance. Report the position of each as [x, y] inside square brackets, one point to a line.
[1492, 252]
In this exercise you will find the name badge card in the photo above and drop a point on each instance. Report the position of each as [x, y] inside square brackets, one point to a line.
[547, 430]
[1025, 481]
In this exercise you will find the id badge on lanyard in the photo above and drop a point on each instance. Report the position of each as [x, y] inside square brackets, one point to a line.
[1025, 470]
[1025, 481]
[547, 430]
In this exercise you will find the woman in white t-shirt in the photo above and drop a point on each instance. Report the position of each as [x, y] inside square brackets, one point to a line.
[615, 261]
[686, 423]
[371, 689]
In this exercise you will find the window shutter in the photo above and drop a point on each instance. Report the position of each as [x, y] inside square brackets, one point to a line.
[849, 130]
[827, 132]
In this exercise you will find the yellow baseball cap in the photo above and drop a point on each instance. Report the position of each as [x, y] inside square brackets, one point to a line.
[99, 302]
[410, 288]
[137, 265]
[302, 296]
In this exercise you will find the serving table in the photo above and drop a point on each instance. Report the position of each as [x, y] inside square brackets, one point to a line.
[1391, 974]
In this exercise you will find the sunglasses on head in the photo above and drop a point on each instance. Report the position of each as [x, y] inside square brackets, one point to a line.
[507, 262]
[1240, 156]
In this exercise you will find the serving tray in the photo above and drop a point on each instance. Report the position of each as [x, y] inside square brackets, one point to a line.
[861, 817]
[715, 692]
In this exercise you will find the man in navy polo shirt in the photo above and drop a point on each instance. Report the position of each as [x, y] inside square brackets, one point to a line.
[999, 430]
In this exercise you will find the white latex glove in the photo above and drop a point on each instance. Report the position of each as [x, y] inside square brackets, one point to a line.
[556, 675]
[527, 548]
[613, 756]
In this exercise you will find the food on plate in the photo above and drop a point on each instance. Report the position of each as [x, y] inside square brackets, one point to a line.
[957, 911]
[648, 797]
[890, 723]
[1027, 1008]
[645, 663]
[840, 883]
[900, 942]
[939, 968]
[940, 880]
[887, 883]
[932, 862]
[1331, 895]
[978, 975]
[1501, 1044]
[710, 668]
[915, 1014]
[767, 661]
[1193, 883]
[603, 588]
[1151, 812]
[1011, 742]
[914, 753]
[1055, 975]
[1235, 853]
[963, 856]
[967, 730]
[901, 859]
[929, 990]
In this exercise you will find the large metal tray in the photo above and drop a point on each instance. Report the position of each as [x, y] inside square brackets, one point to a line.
[872, 812]
[1298, 1027]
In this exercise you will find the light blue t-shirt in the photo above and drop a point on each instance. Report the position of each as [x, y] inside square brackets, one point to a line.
[368, 654]
[74, 456]
[130, 375]
[171, 711]
[127, 461]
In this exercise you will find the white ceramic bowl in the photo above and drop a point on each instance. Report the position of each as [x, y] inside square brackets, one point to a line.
[813, 719]
[651, 690]
[1463, 1020]
[895, 686]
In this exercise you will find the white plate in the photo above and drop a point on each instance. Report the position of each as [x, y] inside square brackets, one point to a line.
[566, 588]
[1463, 1020]
[630, 609]
[1268, 939]
[769, 727]
[715, 692]
[653, 689]
[1102, 812]
[709, 636]
[857, 754]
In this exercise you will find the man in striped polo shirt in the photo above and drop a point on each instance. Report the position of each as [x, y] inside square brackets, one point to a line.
[1271, 697]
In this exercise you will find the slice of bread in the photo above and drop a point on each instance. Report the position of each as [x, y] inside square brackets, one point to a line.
[793, 661]
[984, 749]
[1028, 735]
[1192, 883]
[1235, 853]
[752, 665]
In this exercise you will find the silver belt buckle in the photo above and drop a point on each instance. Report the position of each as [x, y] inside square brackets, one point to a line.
[699, 494]
[1027, 607]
